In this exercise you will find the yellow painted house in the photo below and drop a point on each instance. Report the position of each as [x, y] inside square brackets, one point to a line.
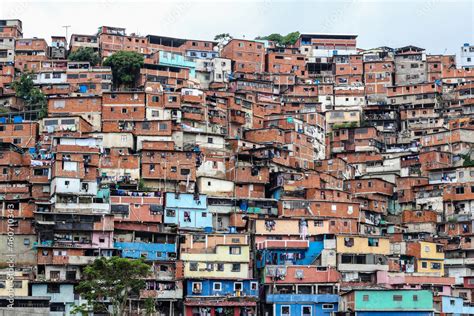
[19, 285]
[430, 259]
[221, 258]
[362, 245]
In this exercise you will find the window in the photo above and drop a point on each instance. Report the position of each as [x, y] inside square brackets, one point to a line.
[330, 306]
[452, 302]
[197, 287]
[460, 190]
[220, 267]
[85, 186]
[57, 307]
[373, 242]
[193, 266]
[217, 286]
[424, 264]
[17, 284]
[415, 298]
[348, 241]
[365, 298]
[53, 288]
[234, 250]
[185, 172]
[235, 267]
[210, 140]
[318, 223]
[238, 286]
[54, 274]
[285, 310]
[163, 126]
[397, 298]
[436, 266]
[253, 286]
[306, 310]
[16, 141]
[18, 128]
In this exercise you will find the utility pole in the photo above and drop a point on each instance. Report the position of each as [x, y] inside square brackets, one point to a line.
[67, 28]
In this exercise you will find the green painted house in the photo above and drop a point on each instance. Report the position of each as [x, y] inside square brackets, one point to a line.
[387, 302]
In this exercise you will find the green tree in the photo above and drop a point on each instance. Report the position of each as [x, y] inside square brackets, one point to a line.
[223, 38]
[125, 67]
[85, 54]
[112, 281]
[149, 306]
[280, 40]
[33, 97]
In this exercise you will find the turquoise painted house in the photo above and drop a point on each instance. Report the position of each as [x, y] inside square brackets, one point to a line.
[303, 304]
[388, 302]
[176, 60]
[187, 211]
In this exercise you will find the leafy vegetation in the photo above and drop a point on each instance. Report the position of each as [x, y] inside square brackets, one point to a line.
[85, 54]
[281, 40]
[223, 38]
[125, 67]
[467, 161]
[112, 281]
[33, 97]
[344, 125]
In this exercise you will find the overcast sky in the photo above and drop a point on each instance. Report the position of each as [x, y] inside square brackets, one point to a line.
[438, 25]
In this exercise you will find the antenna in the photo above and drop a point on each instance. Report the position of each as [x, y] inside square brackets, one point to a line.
[66, 27]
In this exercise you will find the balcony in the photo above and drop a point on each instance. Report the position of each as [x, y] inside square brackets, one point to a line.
[362, 267]
[285, 244]
[162, 294]
[302, 298]
[83, 208]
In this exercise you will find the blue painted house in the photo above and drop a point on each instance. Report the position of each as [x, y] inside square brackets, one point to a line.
[455, 306]
[303, 304]
[187, 210]
[147, 251]
[220, 287]
[61, 294]
[235, 297]
[305, 255]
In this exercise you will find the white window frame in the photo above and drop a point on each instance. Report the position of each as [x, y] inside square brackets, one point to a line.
[214, 286]
[241, 286]
[192, 287]
[289, 310]
[311, 309]
[252, 285]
